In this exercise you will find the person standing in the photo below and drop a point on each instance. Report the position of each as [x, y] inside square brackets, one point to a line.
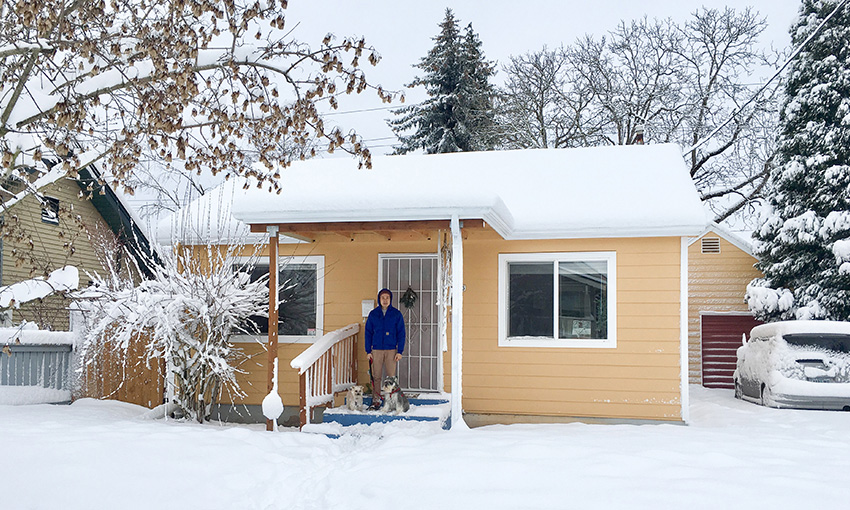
[384, 341]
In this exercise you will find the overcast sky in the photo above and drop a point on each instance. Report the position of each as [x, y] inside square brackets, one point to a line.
[402, 32]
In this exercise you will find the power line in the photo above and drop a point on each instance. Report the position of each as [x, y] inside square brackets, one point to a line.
[379, 108]
[762, 89]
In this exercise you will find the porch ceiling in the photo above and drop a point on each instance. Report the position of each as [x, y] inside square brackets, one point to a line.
[304, 231]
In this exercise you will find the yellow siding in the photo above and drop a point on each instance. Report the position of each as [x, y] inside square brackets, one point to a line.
[717, 282]
[639, 379]
[72, 242]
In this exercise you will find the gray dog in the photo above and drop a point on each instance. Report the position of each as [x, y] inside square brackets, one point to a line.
[394, 400]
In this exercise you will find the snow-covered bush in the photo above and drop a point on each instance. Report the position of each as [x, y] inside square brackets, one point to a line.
[184, 315]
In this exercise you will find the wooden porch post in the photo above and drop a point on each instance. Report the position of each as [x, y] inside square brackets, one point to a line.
[273, 240]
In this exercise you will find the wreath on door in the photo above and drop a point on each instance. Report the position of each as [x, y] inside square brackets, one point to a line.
[408, 299]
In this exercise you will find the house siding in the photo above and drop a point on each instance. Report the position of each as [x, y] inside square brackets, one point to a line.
[49, 250]
[717, 282]
[639, 379]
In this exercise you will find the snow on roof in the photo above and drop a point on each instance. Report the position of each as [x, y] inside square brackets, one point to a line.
[799, 327]
[621, 191]
[208, 219]
[24, 336]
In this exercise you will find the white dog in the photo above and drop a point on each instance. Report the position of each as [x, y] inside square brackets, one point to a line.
[394, 400]
[354, 398]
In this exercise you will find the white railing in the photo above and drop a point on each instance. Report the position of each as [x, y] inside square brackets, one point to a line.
[327, 367]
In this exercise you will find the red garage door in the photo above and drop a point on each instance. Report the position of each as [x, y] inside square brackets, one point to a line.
[721, 337]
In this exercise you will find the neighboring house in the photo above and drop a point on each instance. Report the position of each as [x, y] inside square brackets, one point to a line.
[573, 265]
[720, 267]
[75, 222]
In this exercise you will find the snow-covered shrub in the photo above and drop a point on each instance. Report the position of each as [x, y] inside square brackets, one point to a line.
[184, 315]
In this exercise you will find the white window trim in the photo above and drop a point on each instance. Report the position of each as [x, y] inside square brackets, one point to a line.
[319, 262]
[609, 257]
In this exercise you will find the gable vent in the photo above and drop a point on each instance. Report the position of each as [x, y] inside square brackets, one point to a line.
[711, 245]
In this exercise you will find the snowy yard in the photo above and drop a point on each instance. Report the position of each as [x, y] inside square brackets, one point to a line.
[106, 455]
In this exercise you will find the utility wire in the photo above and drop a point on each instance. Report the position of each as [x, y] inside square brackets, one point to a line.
[762, 89]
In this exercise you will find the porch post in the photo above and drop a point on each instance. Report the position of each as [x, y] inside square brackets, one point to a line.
[457, 324]
[272, 348]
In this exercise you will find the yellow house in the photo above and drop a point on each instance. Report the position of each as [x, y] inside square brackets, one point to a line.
[721, 265]
[549, 284]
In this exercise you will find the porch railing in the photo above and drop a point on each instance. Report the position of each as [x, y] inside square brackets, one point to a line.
[327, 367]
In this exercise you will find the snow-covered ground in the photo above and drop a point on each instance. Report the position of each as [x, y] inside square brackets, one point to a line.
[108, 455]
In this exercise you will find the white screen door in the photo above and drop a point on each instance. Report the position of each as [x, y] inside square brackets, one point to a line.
[420, 368]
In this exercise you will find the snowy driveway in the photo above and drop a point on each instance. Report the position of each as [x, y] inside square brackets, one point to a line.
[102, 455]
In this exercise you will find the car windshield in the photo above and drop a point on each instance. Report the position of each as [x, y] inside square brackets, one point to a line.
[830, 341]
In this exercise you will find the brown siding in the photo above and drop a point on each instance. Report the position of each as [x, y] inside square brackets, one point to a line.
[54, 246]
[638, 379]
[717, 282]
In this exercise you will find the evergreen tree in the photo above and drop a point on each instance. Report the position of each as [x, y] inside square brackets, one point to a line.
[804, 245]
[458, 114]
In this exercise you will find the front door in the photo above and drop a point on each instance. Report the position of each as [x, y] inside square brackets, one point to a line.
[420, 369]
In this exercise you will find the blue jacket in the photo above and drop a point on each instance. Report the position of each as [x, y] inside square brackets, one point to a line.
[385, 331]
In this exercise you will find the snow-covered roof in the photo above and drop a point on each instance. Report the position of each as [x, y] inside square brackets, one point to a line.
[745, 244]
[208, 219]
[800, 327]
[621, 191]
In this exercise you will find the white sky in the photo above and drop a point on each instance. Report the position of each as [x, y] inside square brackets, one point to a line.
[402, 32]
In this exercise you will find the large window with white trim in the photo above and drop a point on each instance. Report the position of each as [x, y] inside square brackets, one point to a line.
[300, 298]
[557, 299]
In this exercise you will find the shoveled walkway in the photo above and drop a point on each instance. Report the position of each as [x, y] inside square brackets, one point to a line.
[426, 409]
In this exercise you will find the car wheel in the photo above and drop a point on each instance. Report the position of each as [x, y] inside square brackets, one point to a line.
[738, 393]
[766, 398]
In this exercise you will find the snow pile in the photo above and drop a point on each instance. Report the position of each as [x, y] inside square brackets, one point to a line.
[801, 457]
[272, 403]
[30, 395]
[61, 280]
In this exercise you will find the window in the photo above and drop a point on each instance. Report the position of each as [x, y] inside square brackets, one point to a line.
[300, 298]
[557, 299]
[50, 210]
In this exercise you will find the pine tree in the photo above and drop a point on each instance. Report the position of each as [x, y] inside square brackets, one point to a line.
[476, 93]
[458, 114]
[804, 245]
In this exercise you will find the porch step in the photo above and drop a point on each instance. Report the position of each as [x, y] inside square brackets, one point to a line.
[434, 409]
[423, 399]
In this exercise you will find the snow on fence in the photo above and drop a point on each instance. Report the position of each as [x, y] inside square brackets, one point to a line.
[37, 359]
[327, 367]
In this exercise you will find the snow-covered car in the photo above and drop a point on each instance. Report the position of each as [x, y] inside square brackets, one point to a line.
[796, 364]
